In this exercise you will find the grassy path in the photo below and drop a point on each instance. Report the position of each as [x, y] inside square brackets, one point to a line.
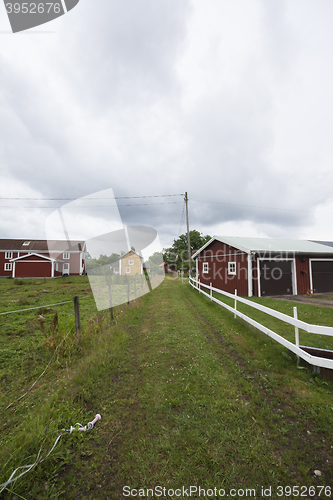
[188, 397]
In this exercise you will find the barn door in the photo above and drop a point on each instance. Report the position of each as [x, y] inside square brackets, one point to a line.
[276, 278]
[322, 276]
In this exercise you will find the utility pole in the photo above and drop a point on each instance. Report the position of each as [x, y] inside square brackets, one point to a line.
[188, 237]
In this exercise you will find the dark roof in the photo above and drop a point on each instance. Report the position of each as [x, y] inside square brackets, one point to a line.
[328, 243]
[41, 245]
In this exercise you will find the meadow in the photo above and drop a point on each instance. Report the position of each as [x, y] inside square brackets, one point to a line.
[188, 396]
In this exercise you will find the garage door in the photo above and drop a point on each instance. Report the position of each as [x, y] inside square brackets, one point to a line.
[275, 278]
[322, 276]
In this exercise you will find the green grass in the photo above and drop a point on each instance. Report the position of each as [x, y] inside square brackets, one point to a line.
[308, 313]
[188, 396]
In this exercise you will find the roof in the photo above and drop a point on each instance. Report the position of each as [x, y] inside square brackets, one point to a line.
[257, 245]
[28, 255]
[328, 243]
[41, 245]
[131, 252]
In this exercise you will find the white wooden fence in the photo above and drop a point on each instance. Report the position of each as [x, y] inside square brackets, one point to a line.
[316, 329]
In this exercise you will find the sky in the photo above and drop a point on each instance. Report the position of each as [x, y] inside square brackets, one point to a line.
[230, 102]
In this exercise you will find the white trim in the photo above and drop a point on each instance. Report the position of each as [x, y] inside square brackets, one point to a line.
[232, 263]
[8, 255]
[10, 265]
[65, 254]
[249, 275]
[293, 273]
[310, 269]
[205, 268]
[32, 253]
[13, 273]
[52, 270]
[131, 262]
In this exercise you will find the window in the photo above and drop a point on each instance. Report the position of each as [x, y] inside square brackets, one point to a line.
[9, 255]
[231, 267]
[131, 262]
[205, 267]
[66, 255]
[128, 270]
[8, 267]
[26, 243]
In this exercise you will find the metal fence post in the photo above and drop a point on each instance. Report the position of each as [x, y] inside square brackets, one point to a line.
[235, 314]
[77, 318]
[296, 333]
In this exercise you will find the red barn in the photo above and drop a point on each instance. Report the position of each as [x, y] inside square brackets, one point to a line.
[40, 258]
[264, 266]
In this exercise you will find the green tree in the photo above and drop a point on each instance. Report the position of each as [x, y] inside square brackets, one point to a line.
[178, 252]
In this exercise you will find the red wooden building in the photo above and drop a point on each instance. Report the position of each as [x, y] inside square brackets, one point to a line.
[263, 266]
[41, 258]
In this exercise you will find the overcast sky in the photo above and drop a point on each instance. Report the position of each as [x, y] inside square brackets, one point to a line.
[230, 101]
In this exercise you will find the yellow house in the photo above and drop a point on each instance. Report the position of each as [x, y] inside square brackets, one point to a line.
[130, 264]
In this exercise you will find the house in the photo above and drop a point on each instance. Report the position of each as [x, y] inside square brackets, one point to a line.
[263, 266]
[41, 258]
[131, 263]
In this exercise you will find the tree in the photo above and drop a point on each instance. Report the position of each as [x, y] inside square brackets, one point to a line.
[178, 251]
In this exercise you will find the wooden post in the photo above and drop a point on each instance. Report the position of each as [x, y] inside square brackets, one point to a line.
[135, 287]
[77, 319]
[110, 301]
[296, 333]
[128, 291]
[235, 315]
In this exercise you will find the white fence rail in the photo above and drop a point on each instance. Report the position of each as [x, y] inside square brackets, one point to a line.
[317, 329]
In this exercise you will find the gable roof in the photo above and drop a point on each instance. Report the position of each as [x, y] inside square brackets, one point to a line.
[42, 245]
[257, 245]
[28, 255]
[130, 252]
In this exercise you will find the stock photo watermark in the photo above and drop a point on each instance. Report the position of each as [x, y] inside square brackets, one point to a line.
[24, 15]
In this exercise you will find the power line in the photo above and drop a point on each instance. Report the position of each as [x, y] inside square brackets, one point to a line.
[88, 198]
[96, 206]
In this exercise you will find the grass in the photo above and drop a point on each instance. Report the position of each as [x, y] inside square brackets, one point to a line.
[188, 396]
[308, 313]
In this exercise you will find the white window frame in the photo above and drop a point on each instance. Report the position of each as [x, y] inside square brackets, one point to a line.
[128, 270]
[8, 266]
[205, 268]
[232, 268]
[131, 262]
[8, 255]
[66, 255]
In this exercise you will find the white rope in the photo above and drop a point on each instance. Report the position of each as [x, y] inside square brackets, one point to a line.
[18, 399]
[39, 307]
[89, 426]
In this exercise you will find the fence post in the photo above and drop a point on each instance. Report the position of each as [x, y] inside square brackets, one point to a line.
[235, 314]
[199, 286]
[182, 273]
[128, 291]
[211, 291]
[135, 287]
[296, 332]
[110, 300]
[77, 319]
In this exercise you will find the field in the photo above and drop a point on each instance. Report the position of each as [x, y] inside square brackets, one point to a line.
[188, 397]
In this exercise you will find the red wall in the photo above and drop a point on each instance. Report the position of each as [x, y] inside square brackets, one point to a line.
[218, 255]
[2, 264]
